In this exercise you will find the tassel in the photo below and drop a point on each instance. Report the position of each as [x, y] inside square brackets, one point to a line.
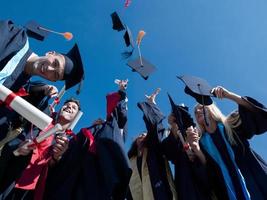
[140, 36]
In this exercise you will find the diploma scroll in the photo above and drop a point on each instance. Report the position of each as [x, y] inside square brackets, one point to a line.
[41, 137]
[24, 108]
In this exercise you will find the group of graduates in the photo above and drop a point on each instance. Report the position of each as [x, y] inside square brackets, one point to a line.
[212, 157]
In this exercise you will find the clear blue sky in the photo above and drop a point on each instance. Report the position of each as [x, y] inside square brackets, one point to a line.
[224, 42]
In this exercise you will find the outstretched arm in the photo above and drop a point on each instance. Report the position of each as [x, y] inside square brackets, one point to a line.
[221, 93]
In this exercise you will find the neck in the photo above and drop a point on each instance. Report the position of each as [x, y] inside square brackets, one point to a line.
[64, 123]
[140, 151]
[29, 67]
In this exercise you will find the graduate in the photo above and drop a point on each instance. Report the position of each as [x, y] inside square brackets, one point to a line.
[18, 62]
[31, 183]
[95, 165]
[17, 131]
[235, 170]
[189, 162]
[151, 178]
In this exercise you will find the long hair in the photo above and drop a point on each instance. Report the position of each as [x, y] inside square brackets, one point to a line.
[218, 116]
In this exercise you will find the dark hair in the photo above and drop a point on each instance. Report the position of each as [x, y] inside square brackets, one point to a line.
[133, 149]
[75, 101]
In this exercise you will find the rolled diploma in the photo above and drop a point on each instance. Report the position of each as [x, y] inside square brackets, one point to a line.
[59, 96]
[25, 109]
[75, 121]
[42, 137]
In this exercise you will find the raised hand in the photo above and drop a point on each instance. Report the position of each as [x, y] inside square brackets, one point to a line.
[122, 84]
[151, 98]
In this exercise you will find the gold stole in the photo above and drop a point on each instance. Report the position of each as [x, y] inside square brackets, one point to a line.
[142, 189]
[12, 134]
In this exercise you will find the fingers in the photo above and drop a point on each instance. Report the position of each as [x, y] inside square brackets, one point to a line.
[220, 92]
[61, 146]
[52, 91]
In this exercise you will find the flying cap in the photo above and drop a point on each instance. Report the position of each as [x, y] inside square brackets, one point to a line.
[73, 71]
[197, 88]
[116, 22]
[142, 67]
[182, 116]
[38, 32]
[128, 39]
[33, 31]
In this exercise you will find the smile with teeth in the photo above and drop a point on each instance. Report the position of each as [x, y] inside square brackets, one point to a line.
[67, 110]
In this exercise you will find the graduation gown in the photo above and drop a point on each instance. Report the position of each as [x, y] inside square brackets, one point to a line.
[103, 173]
[155, 161]
[12, 166]
[11, 41]
[253, 168]
[190, 177]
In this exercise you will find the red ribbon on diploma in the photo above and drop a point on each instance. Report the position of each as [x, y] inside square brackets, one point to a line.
[22, 92]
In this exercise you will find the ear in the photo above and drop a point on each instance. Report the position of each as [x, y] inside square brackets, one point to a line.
[50, 53]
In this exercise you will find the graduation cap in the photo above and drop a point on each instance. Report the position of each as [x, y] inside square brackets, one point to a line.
[142, 67]
[128, 39]
[73, 71]
[200, 90]
[38, 32]
[182, 116]
[116, 21]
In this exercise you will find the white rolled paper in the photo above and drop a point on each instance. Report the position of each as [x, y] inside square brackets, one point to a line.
[41, 137]
[26, 110]
[75, 120]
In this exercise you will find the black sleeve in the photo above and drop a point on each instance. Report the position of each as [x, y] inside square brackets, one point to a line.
[170, 147]
[12, 38]
[253, 122]
[153, 118]
[122, 110]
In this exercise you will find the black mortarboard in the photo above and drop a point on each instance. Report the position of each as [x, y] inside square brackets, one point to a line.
[182, 117]
[142, 67]
[197, 88]
[33, 30]
[116, 21]
[73, 71]
[128, 39]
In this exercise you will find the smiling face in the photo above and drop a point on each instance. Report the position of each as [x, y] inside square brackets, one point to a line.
[69, 111]
[51, 66]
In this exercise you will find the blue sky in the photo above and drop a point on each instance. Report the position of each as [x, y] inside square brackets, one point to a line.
[223, 42]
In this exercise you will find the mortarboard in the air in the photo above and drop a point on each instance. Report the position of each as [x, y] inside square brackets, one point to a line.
[116, 21]
[128, 39]
[182, 116]
[33, 30]
[198, 88]
[142, 67]
[73, 71]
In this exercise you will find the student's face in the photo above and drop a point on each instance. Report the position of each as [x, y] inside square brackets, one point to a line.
[69, 111]
[140, 139]
[200, 115]
[51, 66]
[171, 119]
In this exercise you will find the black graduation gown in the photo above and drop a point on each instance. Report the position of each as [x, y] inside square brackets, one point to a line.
[252, 166]
[104, 174]
[12, 166]
[11, 41]
[190, 177]
[155, 161]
